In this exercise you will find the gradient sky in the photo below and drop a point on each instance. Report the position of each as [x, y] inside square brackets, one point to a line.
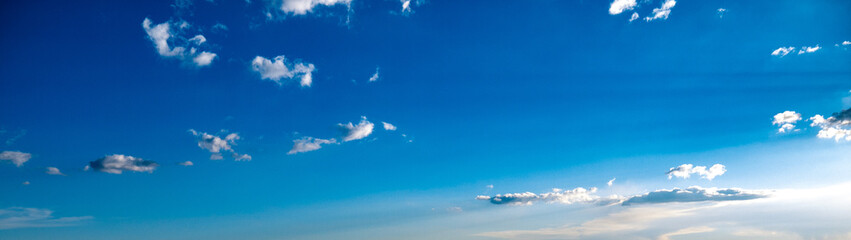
[214, 119]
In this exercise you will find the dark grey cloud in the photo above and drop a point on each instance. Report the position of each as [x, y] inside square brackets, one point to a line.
[695, 194]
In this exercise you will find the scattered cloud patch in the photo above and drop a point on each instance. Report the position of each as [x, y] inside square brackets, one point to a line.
[837, 126]
[786, 120]
[782, 51]
[685, 231]
[633, 17]
[186, 163]
[577, 195]
[662, 12]
[118, 163]
[721, 12]
[307, 144]
[808, 49]
[216, 145]
[619, 6]
[355, 132]
[686, 170]
[12, 140]
[169, 43]
[25, 183]
[279, 70]
[54, 171]
[374, 76]
[611, 182]
[388, 126]
[302, 7]
[17, 158]
[18, 217]
[695, 194]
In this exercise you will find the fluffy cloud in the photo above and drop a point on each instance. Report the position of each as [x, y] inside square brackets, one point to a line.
[17, 158]
[388, 126]
[355, 132]
[782, 51]
[169, 44]
[216, 145]
[577, 195]
[662, 12]
[280, 69]
[117, 163]
[618, 6]
[786, 120]
[695, 194]
[837, 126]
[18, 217]
[54, 171]
[633, 17]
[684, 171]
[374, 76]
[302, 7]
[307, 144]
[808, 49]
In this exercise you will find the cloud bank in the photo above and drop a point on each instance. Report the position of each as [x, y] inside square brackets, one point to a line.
[695, 194]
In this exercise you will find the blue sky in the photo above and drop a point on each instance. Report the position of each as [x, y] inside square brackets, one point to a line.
[266, 119]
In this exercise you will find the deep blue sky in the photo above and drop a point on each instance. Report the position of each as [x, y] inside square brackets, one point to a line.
[524, 95]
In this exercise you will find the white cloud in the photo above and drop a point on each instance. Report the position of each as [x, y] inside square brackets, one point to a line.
[355, 132]
[684, 171]
[786, 120]
[835, 127]
[808, 49]
[18, 217]
[170, 44]
[685, 231]
[204, 58]
[307, 144]
[696, 194]
[54, 171]
[406, 6]
[721, 12]
[302, 7]
[281, 69]
[782, 51]
[17, 158]
[117, 163]
[611, 182]
[577, 195]
[186, 163]
[388, 126]
[374, 76]
[618, 6]
[663, 11]
[633, 17]
[216, 145]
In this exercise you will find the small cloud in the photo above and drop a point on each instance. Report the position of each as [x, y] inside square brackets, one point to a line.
[280, 69]
[307, 144]
[355, 132]
[117, 163]
[374, 76]
[388, 126]
[786, 120]
[54, 171]
[808, 49]
[684, 171]
[17, 158]
[302, 7]
[619, 6]
[782, 51]
[14, 139]
[633, 17]
[663, 11]
[611, 182]
[18, 217]
[721, 12]
[685, 231]
[186, 163]
[454, 209]
[204, 58]
[25, 183]
[489, 186]
[216, 145]
[198, 39]
[577, 195]
[695, 194]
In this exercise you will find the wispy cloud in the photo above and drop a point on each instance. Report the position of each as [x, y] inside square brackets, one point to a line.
[54, 171]
[808, 49]
[170, 44]
[19, 217]
[355, 132]
[577, 195]
[662, 12]
[216, 145]
[307, 144]
[696, 194]
[782, 51]
[118, 163]
[17, 158]
[374, 76]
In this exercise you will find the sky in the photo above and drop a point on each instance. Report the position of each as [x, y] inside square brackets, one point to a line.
[425, 119]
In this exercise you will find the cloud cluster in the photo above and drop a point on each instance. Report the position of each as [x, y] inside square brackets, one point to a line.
[786, 120]
[18, 217]
[782, 51]
[307, 144]
[837, 126]
[279, 70]
[577, 195]
[118, 163]
[302, 7]
[355, 132]
[662, 12]
[170, 44]
[17, 158]
[686, 170]
[808, 49]
[695, 194]
[216, 145]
